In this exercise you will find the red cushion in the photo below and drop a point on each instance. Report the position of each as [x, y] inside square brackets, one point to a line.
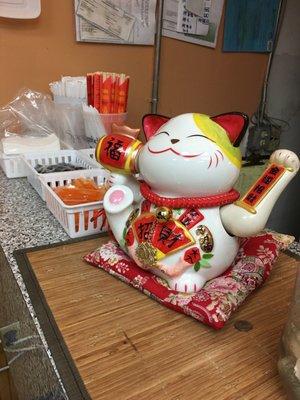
[214, 304]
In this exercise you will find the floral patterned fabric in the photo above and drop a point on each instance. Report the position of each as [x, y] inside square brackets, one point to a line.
[220, 297]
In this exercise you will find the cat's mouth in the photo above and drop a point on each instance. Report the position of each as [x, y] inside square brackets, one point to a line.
[175, 152]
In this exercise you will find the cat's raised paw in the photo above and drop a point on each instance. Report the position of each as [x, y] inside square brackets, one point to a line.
[286, 158]
[117, 199]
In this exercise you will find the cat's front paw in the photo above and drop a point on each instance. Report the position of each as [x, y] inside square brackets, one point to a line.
[126, 180]
[117, 199]
[286, 158]
[187, 283]
[118, 179]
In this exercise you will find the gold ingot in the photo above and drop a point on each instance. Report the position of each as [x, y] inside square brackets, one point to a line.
[146, 254]
[201, 230]
[163, 214]
[206, 240]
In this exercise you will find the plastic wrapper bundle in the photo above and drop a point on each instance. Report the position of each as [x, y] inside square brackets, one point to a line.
[28, 124]
[70, 124]
[69, 94]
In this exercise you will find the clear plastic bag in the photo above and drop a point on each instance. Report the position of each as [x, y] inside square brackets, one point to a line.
[30, 113]
[28, 123]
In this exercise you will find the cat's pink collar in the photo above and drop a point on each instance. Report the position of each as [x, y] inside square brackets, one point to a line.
[189, 202]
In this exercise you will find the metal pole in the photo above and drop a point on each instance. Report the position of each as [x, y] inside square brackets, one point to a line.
[279, 17]
[155, 82]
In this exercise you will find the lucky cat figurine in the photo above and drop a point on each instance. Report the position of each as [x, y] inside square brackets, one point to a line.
[182, 218]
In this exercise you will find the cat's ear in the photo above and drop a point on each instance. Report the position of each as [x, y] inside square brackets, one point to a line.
[235, 124]
[152, 123]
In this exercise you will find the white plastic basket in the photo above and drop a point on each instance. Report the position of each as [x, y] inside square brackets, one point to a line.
[12, 165]
[76, 220]
[54, 157]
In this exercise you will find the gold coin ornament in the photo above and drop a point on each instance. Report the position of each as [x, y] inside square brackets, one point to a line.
[163, 214]
[206, 240]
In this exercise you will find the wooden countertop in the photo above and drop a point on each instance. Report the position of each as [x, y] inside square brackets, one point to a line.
[126, 346]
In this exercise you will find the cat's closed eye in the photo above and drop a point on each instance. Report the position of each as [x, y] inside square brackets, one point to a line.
[161, 133]
[197, 135]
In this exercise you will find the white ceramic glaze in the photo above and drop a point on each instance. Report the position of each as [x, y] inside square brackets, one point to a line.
[182, 160]
[239, 221]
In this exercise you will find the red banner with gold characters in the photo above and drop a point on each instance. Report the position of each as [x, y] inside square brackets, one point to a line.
[259, 190]
[165, 237]
[191, 217]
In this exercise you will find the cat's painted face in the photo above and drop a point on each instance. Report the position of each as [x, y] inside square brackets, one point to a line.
[189, 155]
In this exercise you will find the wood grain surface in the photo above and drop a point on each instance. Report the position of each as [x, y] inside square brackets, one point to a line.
[127, 346]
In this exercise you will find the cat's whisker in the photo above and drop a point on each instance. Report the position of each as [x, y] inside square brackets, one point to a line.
[218, 151]
[210, 161]
[217, 160]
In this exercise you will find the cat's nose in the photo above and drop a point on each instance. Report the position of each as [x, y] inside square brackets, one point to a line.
[173, 141]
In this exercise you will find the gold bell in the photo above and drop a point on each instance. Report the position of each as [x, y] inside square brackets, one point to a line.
[163, 214]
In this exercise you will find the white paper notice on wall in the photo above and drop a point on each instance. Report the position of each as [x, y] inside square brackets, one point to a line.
[194, 21]
[193, 18]
[21, 9]
[115, 21]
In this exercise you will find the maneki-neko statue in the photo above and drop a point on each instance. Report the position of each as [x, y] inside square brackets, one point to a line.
[171, 205]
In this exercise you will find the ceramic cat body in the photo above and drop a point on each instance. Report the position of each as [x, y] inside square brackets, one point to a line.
[175, 225]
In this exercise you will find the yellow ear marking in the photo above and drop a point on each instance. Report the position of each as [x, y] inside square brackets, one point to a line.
[216, 133]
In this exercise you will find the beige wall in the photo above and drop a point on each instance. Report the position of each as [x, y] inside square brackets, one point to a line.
[193, 78]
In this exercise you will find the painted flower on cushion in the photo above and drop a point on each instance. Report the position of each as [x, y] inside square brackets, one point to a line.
[112, 261]
[248, 264]
[197, 315]
[263, 233]
[111, 253]
[224, 310]
[265, 254]
[139, 281]
[179, 299]
[116, 250]
[215, 300]
[95, 257]
[106, 253]
[281, 240]
[121, 267]
[223, 284]
[121, 254]
[120, 276]
[252, 282]
[249, 272]
[202, 296]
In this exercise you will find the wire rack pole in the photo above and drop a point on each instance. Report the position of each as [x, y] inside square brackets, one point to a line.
[157, 53]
